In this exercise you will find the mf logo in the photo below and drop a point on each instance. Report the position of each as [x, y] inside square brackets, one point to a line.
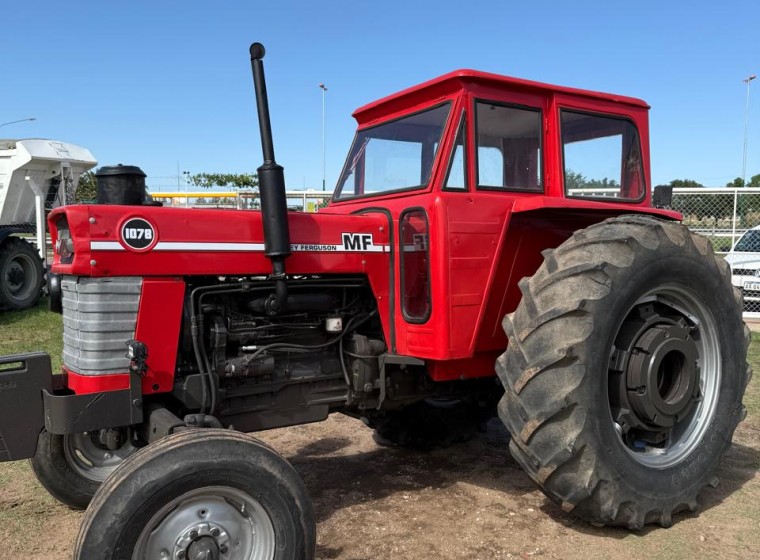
[357, 241]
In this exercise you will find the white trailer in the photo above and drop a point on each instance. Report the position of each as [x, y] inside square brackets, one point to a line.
[36, 175]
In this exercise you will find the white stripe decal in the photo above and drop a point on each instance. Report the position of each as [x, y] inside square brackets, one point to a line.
[106, 246]
[257, 247]
[198, 246]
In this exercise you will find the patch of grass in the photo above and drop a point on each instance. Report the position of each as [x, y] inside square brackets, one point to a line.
[752, 396]
[35, 329]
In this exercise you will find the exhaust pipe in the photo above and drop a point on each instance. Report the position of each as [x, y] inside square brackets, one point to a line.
[274, 207]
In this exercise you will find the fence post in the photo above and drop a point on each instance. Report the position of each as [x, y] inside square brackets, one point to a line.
[733, 221]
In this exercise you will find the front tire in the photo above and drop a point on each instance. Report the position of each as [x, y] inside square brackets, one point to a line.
[72, 467]
[200, 494]
[625, 371]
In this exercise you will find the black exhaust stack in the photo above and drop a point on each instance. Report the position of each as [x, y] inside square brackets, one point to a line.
[274, 207]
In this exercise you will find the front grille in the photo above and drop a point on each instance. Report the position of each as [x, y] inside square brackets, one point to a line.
[744, 272]
[99, 317]
[750, 294]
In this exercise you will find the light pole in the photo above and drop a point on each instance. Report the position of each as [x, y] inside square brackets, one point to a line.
[187, 187]
[747, 81]
[20, 120]
[324, 91]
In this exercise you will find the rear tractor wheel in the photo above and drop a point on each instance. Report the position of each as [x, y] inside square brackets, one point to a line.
[625, 371]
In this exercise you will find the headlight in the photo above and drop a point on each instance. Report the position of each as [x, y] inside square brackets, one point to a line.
[64, 245]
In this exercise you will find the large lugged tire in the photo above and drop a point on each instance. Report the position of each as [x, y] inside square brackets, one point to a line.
[72, 467]
[21, 275]
[625, 371]
[432, 423]
[200, 494]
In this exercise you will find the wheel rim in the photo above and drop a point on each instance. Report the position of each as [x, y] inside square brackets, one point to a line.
[665, 373]
[92, 460]
[210, 523]
[19, 276]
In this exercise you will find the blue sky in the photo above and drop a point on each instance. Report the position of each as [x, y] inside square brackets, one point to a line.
[156, 83]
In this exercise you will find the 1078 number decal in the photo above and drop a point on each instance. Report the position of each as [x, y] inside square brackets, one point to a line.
[138, 234]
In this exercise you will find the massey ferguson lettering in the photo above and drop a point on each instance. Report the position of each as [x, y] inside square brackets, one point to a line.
[305, 247]
[357, 241]
[351, 243]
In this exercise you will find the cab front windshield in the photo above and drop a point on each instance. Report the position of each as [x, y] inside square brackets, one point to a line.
[393, 156]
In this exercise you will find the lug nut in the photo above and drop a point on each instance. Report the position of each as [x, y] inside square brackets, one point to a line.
[223, 549]
[193, 535]
[180, 554]
[215, 532]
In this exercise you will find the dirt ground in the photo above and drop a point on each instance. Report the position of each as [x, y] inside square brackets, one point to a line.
[467, 501]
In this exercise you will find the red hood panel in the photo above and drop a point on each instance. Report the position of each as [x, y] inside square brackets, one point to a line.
[118, 241]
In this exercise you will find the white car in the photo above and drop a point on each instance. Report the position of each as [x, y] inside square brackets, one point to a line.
[744, 260]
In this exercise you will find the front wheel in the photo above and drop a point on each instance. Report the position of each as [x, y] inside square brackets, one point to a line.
[72, 467]
[625, 371]
[200, 494]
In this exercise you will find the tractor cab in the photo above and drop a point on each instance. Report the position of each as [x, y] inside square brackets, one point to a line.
[473, 169]
[470, 131]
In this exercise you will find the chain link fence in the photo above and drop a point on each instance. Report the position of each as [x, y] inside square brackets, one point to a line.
[730, 219]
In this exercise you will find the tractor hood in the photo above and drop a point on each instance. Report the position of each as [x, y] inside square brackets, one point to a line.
[114, 240]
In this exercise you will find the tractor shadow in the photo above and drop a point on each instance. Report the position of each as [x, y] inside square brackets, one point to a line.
[338, 476]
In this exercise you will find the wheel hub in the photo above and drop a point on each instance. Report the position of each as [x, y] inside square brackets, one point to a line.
[204, 548]
[664, 375]
[202, 541]
[15, 276]
[662, 378]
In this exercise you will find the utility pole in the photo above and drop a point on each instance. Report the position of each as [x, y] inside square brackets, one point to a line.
[324, 91]
[747, 81]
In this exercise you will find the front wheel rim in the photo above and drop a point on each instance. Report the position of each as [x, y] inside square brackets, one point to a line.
[665, 376]
[226, 522]
[91, 460]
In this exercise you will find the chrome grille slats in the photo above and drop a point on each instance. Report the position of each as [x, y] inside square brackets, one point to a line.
[99, 316]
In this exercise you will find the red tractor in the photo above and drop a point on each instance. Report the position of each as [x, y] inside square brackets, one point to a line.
[480, 223]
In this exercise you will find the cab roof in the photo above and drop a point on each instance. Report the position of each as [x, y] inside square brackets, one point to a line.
[460, 79]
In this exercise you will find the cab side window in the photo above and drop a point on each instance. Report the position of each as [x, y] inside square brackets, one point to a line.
[456, 178]
[509, 147]
[601, 156]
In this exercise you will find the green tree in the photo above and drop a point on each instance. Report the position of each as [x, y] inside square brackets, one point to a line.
[87, 189]
[735, 184]
[228, 180]
[754, 181]
[574, 180]
[685, 184]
